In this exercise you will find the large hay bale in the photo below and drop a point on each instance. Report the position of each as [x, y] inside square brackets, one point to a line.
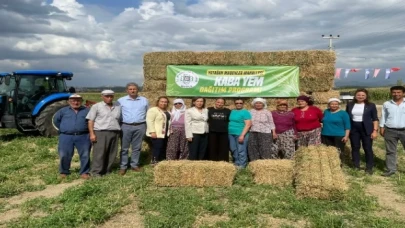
[299, 58]
[323, 97]
[278, 172]
[194, 173]
[170, 58]
[318, 173]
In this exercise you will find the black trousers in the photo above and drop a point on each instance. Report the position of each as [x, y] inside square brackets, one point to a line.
[335, 141]
[198, 147]
[218, 146]
[358, 135]
[159, 148]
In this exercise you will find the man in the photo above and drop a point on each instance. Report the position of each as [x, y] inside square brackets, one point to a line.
[392, 127]
[73, 132]
[104, 126]
[134, 108]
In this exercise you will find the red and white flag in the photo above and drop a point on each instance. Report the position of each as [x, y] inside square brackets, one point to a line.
[355, 70]
[337, 72]
[376, 71]
[394, 69]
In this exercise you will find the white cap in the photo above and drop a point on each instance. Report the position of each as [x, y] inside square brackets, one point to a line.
[107, 92]
[334, 99]
[73, 96]
[261, 100]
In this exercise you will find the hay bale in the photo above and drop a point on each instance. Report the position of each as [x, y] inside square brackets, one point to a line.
[170, 58]
[239, 58]
[154, 72]
[211, 58]
[272, 171]
[318, 173]
[154, 85]
[194, 173]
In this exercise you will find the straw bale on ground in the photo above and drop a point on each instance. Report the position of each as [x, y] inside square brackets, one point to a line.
[194, 173]
[272, 171]
[318, 173]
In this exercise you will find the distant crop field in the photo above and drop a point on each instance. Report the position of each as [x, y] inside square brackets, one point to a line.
[377, 95]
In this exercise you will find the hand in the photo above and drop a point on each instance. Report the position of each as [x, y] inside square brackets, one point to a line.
[275, 136]
[382, 131]
[190, 139]
[241, 139]
[374, 135]
[93, 138]
[153, 135]
[345, 139]
[295, 137]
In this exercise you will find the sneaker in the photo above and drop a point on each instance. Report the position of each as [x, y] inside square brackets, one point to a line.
[85, 176]
[369, 171]
[136, 169]
[122, 172]
[388, 173]
[62, 176]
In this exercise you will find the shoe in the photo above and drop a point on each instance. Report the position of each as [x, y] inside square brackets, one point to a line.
[388, 173]
[62, 176]
[122, 172]
[136, 169]
[85, 176]
[369, 171]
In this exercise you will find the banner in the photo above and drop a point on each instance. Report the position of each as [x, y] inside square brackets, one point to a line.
[232, 81]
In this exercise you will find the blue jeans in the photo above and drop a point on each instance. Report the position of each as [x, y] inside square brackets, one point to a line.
[239, 150]
[66, 146]
[131, 136]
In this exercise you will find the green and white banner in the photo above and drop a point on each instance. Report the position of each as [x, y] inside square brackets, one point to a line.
[232, 81]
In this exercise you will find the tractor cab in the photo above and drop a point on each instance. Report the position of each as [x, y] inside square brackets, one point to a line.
[30, 94]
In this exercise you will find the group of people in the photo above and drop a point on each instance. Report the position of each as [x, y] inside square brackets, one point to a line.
[200, 133]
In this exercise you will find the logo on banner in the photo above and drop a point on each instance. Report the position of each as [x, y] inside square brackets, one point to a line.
[187, 79]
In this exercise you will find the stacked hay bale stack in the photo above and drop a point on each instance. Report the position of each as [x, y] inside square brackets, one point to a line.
[318, 173]
[316, 70]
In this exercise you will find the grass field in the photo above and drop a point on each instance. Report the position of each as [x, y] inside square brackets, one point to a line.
[32, 195]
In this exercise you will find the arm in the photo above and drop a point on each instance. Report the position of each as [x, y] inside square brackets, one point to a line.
[374, 117]
[272, 125]
[320, 115]
[346, 123]
[248, 124]
[382, 121]
[150, 123]
[187, 125]
[57, 119]
[93, 137]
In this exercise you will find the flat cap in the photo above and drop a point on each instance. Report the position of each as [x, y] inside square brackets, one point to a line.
[107, 92]
[73, 96]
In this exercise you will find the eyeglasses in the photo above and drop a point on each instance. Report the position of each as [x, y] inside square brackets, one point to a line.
[177, 103]
[239, 103]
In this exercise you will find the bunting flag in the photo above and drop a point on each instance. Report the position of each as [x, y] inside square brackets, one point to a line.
[337, 73]
[394, 69]
[355, 70]
[376, 71]
[367, 75]
[387, 73]
[347, 72]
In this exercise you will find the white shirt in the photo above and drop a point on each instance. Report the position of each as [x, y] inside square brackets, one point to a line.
[393, 115]
[357, 112]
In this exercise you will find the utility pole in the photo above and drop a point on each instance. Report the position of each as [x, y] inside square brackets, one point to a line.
[331, 38]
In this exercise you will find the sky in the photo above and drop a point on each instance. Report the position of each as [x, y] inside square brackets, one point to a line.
[103, 41]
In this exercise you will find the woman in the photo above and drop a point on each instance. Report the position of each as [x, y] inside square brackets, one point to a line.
[239, 125]
[336, 126]
[262, 132]
[196, 128]
[285, 129]
[218, 118]
[177, 146]
[157, 125]
[307, 121]
[364, 128]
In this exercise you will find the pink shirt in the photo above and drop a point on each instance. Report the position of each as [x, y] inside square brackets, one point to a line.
[262, 121]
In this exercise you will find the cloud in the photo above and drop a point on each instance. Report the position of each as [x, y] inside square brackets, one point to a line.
[103, 48]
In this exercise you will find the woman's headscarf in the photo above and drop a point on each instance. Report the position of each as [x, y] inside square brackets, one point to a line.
[261, 100]
[176, 113]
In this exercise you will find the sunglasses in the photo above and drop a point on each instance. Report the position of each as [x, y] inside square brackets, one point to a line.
[177, 103]
[239, 103]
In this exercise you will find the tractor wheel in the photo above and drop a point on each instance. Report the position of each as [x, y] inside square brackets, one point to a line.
[44, 122]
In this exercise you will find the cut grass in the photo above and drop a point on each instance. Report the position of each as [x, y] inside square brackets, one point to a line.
[242, 205]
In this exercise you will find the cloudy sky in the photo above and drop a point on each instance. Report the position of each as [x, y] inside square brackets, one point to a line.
[103, 41]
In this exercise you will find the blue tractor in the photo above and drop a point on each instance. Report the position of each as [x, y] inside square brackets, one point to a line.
[29, 99]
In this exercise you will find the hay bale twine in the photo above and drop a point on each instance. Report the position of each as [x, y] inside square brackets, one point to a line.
[318, 173]
[194, 173]
[272, 171]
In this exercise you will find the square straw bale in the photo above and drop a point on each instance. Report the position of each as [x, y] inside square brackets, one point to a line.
[154, 72]
[323, 97]
[169, 58]
[154, 85]
[211, 58]
[273, 172]
[194, 173]
[318, 173]
[242, 58]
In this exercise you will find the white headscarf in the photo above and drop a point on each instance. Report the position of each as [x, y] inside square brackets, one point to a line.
[176, 113]
[261, 100]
